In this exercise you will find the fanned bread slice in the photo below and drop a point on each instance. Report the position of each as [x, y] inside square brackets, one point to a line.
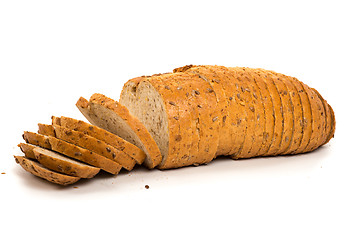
[73, 151]
[57, 162]
[95, 145]
[103, 135]
[115, 118]
[27, 149]
[62, 164]
[36, 139]
[40, 171]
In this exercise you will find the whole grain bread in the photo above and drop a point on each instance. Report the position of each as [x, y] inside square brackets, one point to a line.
[101, 134]
[27, 149]
[62, 164]
[38, 170]
[94, 145]
[261, 113]
[72, 151]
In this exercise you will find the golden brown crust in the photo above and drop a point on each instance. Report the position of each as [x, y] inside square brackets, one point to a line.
[38, 170]
[333, 125]
[135, 125]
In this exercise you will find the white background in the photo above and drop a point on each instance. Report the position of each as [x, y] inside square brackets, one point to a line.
[53, 52]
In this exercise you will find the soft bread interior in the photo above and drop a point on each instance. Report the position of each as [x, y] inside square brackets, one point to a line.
[144, 102]
[109, 120]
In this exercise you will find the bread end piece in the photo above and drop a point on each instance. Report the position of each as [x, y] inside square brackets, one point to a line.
[38, 170]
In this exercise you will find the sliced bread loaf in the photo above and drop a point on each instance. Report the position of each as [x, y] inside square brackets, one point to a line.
[115, 118]
[39, 170]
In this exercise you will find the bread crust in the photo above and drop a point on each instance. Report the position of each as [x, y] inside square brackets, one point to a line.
[38, 170]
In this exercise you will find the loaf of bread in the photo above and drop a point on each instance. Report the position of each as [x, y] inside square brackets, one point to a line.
[198, 113]
[187, 117]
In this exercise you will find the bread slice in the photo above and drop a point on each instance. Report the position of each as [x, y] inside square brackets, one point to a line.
[103, 135]
[222, 142]
[40, 171]
[288, 115]
[327, 117]
[250, 110]
[259, 116]
[306, 121]
[27, 149]
[205, 124]
[317, 119]
[296, 112]
[63, 164]
[167, 87]
[94, 145]
[36, 139]
[278, 114]
[228, 82]
[73, 151]
[115, 118]
[268, 111]
[46, 130]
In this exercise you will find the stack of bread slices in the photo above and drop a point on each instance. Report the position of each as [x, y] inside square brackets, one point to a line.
[71, 149]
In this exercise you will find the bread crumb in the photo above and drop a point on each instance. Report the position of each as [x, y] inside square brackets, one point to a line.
[75, 187]
[147, 186]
